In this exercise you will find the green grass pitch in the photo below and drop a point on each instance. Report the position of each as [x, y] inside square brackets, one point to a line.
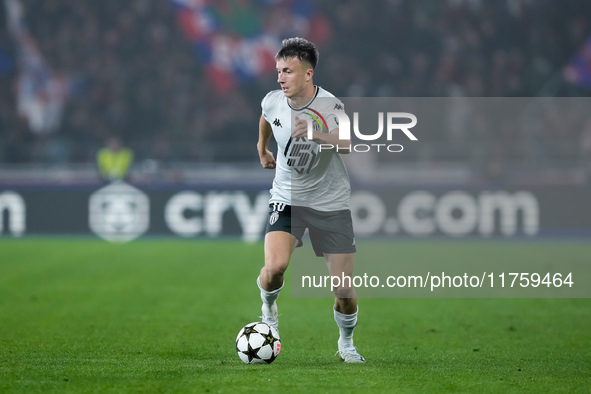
[82, 315]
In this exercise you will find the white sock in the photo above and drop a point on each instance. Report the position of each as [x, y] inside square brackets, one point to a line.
[268, 297]
[346, 325]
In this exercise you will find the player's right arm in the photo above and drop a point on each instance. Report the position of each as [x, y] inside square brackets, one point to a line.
[265, 133]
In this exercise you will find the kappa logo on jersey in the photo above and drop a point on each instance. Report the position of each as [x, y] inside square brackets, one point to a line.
[277, 122]
[338, 106]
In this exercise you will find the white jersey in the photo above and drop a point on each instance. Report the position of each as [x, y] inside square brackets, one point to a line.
[304, 175]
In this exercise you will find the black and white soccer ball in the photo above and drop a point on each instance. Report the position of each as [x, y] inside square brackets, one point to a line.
[258, 343]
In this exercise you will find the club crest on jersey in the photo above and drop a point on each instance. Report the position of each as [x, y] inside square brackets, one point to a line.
[319, 121]
[273, 218]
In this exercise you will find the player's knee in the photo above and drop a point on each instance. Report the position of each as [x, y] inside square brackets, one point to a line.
[343, 292]
[276, 267]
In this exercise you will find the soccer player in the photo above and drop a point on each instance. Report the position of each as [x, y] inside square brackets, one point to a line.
[311, 187]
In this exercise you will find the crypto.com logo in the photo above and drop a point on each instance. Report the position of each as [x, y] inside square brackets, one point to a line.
[119, 212]
[345, 130]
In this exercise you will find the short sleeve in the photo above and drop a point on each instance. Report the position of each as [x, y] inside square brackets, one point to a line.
[332, 122]
[265, 107]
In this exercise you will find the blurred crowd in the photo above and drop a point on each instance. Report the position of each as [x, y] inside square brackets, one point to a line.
[138, 79]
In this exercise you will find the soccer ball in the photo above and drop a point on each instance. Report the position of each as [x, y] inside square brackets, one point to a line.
[258, 343]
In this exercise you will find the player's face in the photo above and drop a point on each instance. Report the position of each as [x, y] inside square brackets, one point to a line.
[294, 76]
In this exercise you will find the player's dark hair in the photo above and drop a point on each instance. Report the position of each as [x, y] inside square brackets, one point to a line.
[298, 47]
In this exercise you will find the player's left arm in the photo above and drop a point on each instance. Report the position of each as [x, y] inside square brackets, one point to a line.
[330, 140]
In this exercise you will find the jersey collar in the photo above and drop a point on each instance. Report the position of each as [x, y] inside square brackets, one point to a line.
[307, 105]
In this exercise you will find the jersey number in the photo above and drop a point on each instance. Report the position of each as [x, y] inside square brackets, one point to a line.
[302, 156]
